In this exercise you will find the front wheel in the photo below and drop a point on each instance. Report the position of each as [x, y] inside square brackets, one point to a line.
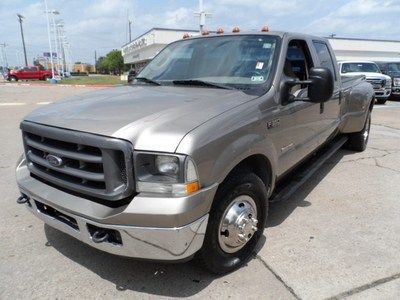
[358, 141]
[13, 78]
[236, 223]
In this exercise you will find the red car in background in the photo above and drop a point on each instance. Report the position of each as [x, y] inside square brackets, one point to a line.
[29, 73]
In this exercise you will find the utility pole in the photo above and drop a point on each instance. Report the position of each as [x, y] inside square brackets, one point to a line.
[20, 17]
[95, 60]
[202, 16]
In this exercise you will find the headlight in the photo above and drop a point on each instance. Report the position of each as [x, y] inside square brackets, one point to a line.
[175, 175]
[396, 81]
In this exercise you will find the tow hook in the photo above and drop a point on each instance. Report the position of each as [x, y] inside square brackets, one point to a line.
[100, 236]
[22, 199]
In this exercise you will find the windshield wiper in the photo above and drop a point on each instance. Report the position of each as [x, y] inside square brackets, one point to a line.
[147, 80]
[201, 83]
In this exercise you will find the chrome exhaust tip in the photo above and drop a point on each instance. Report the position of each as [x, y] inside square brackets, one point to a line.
[23, 199]
[100, 236]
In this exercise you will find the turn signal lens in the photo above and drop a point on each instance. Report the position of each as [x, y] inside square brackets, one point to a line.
[192, 187]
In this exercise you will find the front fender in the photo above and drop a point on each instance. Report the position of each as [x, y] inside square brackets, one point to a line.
[221, 144]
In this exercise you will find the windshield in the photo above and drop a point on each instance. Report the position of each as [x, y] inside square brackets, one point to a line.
[242, 61]
[394, 67]
[360, 67]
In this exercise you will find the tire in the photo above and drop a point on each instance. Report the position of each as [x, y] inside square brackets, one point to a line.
[381, 101]
[13, 78]
[46, 77]
[358, 141]
[240, 192]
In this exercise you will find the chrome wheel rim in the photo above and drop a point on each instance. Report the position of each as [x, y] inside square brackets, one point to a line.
[367, 127]
[238, 224]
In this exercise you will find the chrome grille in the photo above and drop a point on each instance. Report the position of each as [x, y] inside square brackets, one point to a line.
[89, 164]
[377, 84]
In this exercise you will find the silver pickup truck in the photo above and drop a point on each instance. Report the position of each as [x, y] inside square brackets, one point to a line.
[184, 160]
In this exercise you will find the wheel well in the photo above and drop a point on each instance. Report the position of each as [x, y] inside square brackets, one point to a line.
[371, 104]
[259, 165]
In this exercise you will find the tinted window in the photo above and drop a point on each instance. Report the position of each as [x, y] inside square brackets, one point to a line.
[324, 56]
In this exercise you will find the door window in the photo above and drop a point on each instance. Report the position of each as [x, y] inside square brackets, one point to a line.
[297, 65]
[325, 57]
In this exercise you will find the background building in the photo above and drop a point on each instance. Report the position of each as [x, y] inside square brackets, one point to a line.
[84, 68]
[365, 49]
[142, 49]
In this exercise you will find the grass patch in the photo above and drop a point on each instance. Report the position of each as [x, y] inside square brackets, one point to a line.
[92, 80]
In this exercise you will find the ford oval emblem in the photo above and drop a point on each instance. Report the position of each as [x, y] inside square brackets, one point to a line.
[53, 160]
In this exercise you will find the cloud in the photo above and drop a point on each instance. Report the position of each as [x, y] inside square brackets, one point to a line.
[361, 18]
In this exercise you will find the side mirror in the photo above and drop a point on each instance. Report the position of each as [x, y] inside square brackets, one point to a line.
[322, 84]
[320, 87]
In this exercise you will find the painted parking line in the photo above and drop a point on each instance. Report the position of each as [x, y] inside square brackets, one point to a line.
[12, 104]
[44, 103]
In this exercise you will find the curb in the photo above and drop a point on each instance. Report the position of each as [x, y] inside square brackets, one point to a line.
[61, 85]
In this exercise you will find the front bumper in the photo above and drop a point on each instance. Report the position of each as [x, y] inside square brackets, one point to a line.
[396, 90]
[149, 227]
[382, 93]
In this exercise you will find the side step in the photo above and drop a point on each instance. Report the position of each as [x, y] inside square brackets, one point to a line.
[307, 169]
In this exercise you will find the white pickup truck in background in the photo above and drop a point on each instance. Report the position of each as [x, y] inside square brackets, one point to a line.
[381, 83]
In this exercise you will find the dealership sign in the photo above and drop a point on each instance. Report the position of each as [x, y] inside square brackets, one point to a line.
[47, 54]
[135, 45]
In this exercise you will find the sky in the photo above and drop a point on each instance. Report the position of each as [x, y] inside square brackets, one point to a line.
[101, 25]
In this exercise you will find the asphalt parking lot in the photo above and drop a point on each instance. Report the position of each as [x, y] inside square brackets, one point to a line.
[338, 237]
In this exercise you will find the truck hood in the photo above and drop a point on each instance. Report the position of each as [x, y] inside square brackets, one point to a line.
[369, 75]
[153, 118]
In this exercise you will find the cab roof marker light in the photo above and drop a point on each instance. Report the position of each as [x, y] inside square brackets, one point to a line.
[220, 30]
[265, 28]
[205, 32]
[186, 35]
[236, 29]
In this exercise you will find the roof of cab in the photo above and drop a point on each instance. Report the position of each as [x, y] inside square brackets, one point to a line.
[272, 33]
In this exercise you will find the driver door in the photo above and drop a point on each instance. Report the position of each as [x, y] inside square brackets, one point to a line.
[298, 132]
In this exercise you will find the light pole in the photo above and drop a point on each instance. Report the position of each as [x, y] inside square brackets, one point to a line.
[53, 13]
[48, 35]
[4, 54]
[20, 17]
[202, 16]
[61, 37]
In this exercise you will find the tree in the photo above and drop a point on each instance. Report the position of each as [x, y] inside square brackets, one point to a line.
[113, 62]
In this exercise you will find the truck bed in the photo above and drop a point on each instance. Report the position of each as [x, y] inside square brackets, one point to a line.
[349, 81]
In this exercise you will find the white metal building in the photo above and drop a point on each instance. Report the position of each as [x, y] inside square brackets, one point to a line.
[145, 47]
[142, 49]
[365, 49]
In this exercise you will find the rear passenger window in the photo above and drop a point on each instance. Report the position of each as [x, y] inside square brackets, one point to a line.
[324, 56]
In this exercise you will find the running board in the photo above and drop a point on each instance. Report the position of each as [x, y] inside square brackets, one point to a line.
[306, 170]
